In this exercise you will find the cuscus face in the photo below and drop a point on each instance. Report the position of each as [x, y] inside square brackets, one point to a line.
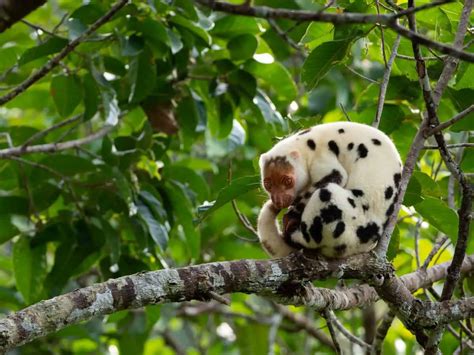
[278, 179]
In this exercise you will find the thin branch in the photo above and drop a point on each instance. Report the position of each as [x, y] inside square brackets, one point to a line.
[54, 62]
[353, 71]
[37, 28]
[385, 80]
[46, 131]
[303, 323]
[327, 316]
[351, 337]
[407, 57]
[437, 246]
[451, 146]
[382, 331]
[417, 237]
[345, 18]
[450, 63]
[450, 122]
[55, 147]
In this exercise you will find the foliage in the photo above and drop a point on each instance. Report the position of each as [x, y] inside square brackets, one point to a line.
[194, 95]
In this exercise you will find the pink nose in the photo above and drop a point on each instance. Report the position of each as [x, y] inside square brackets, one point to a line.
[282, 201]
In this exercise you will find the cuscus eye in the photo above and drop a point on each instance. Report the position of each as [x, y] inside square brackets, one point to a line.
[267, 183]
[288, 181]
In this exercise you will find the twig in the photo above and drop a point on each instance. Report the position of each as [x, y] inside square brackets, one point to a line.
[417, 237]
[54, 147]
[345, 18]
[326, 315]
[410, 10]
[382, 35]
[451, 146]
[283, 35]
[37, 28]
[303, 323]
[437, 246]
[382, 331]
[351, 337]
[450, 63]
[51, 64]
[344, 112]
[407, 57]
[450, 122]
[385, 80]
[46, 131]
[221, 299]
[272, 333]
[353, 71]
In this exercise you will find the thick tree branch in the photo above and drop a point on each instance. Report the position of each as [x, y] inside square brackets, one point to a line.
[280, 279]
[344, 18]
[54, 62]
[11, 11]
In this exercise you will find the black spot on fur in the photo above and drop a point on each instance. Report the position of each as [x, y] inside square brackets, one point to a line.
[324, 195]
[353, 217]
[365, 208]
[316, 229]
[350, 146]
[300, 207]
[334, 177]
[331, 213]
[388, 192]
[307, 194]
[340, 228]
[351, 201]
[304, 231]
[362, 150]
[368, 232]
[340, 130]
[311, 144]
[333, 147]
[304, 131]
[297, 200]
[340, 249]
[376, 141]
[357, 192]
[292, 243]
[390, 210]
[396, 179]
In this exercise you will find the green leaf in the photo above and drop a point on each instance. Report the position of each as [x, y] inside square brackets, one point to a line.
[66, 92]
[91, 96]
[153, 31]
[182, 211]
[242, 47]
[235, 189]
[8, 57]
[439, 215]
[29, 265]
[413, 193]
[194, 28]
[231, 26]
[14, 205]
[157, 230]
[276, 76]
[321, 60]
[51, 46]
[142, 75]
[317, 33]
[394, 244]
[88, 14]
[64, 164]
[7, 229]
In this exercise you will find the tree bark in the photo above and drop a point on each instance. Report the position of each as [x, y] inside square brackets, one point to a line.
[12, 11]
[283, 279]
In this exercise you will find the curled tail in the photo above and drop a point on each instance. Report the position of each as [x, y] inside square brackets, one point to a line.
[269, 232]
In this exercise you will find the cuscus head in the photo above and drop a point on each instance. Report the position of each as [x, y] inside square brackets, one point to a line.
[279, 177]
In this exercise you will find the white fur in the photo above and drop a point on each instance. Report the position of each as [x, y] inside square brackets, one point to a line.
[372, 174]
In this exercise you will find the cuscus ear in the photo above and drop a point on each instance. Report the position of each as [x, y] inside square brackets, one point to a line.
[294, 154]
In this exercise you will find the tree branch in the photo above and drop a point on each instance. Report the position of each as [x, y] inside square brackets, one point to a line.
[279, 278]
[54, 147]
[54, 62]
[11, 11]
[344, 18]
